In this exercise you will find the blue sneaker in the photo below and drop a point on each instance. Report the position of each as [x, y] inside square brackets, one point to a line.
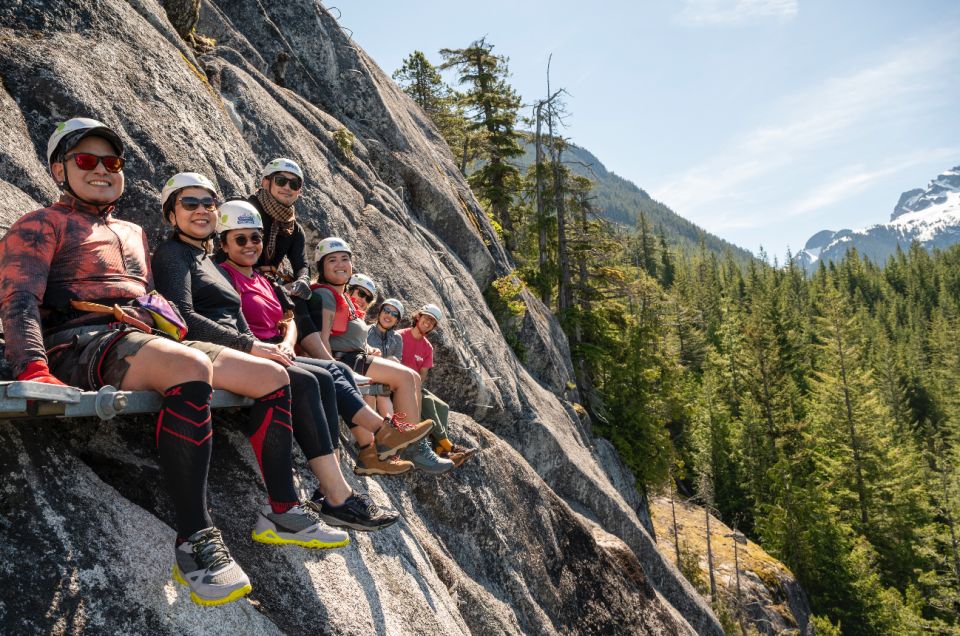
[423, 458]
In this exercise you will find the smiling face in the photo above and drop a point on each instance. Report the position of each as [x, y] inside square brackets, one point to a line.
[248, 253]
[96, 186]
[337, 268]
[387, 318]
[284, 194]
[426, 324]
[199, 223]
[359, 297]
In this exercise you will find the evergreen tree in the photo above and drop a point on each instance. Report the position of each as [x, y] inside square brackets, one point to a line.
[494, 106]
[422, 81]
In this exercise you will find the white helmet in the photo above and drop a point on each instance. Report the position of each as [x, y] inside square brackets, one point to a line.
[238, 215]
[183, 180]
[76, 129]
[362, 280]
[330, 245]
[393, 302]
[431, 310]
[281, 164]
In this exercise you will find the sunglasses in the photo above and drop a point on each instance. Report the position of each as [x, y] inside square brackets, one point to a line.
[295, 182]
[87, 161]
[256, 238]
[363, 294]
[391, 312]
[192, 203]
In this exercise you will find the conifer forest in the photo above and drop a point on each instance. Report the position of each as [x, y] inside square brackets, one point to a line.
[819, 414]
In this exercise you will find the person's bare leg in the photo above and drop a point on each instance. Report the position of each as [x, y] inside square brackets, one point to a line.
[384, 405]
[313, 345]
[247, 375]
[332, 483]
[402, 381]
[161, 364]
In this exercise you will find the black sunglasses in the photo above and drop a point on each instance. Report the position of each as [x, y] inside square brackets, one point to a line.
[192, 203]
[295, 182]
[256, 238]
[363, 293]
[392, 312]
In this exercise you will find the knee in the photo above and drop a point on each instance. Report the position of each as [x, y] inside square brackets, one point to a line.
[274, 374]
[301, 380]
[325, 380]
[192, 364]
[411, 378]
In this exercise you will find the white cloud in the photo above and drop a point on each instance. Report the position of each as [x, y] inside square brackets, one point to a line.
[807, 127]
[856, 179]
[734, 12]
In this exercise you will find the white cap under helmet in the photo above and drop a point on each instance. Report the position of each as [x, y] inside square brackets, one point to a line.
[362, 280]
[393, 302]
[282, 164]
[73, 130]
[183, 180]
[238, 215]
[433, 311]
[330, 245]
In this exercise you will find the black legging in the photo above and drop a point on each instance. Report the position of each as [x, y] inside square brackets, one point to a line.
[313, 397]
[349, 400]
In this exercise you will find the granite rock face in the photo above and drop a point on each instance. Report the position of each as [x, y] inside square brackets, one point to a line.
[504, 545]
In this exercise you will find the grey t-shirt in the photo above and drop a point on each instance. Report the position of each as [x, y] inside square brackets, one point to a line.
[355, 337]
[389, 343]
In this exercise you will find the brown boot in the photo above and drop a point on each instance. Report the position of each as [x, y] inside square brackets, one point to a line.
[369, 464]
[395, 435]
[457, 453]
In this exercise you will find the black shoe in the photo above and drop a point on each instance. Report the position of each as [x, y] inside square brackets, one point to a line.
[357, 512]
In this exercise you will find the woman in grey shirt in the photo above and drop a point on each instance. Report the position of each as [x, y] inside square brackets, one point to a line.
[383, 334]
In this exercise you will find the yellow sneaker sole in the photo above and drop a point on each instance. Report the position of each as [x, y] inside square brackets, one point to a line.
[232, 596]
[272, 538]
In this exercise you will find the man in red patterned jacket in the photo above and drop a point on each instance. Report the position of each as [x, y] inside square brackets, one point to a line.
[76, 250]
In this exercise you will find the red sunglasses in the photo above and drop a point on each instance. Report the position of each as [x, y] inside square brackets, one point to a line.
[87, 161]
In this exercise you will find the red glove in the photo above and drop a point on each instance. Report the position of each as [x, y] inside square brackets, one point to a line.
[38, 371]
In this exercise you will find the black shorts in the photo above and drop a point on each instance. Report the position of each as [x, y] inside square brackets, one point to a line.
[94, 356]
[356, 360]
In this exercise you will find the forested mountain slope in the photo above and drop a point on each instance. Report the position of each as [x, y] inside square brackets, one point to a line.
[496, 547]
[621, 201]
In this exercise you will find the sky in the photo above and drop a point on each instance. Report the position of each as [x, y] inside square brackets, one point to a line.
[763, 121]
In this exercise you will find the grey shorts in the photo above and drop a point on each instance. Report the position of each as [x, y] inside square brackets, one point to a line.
[91, 357]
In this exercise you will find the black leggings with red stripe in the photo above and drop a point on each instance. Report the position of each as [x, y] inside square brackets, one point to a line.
[184, 441]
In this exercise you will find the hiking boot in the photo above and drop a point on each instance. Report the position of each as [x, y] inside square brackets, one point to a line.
[456, 453]
[205, 566]
[396, 434]
[358, 512]
[425, 459]
[369, 464]
[300, 525]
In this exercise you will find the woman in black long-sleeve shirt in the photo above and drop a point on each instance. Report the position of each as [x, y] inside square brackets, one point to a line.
[188, 277]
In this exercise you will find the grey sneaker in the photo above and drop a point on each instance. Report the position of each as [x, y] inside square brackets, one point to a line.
[205, 566]
[425, 459]
[298, 526]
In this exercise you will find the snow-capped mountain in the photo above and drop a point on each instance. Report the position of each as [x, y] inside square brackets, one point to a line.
[930, 216]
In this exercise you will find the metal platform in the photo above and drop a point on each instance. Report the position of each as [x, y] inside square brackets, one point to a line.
[36, 399]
